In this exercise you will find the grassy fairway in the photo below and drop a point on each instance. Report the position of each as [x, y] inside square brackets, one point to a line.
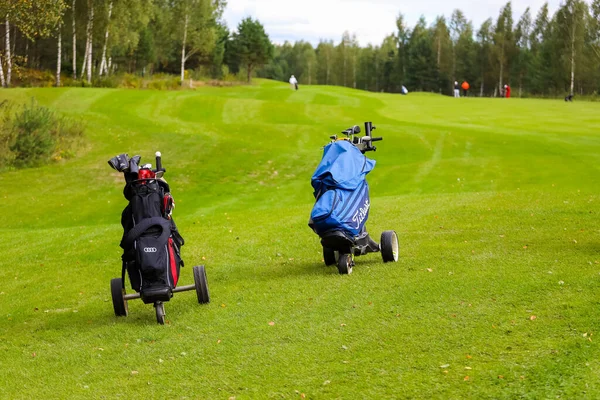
[496, 293]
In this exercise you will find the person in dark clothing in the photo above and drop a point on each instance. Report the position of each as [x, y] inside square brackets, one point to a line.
[456, 89]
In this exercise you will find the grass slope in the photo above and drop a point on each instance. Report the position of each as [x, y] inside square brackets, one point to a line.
[495, 295]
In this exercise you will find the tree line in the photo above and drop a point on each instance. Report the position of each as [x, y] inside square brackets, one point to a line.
[85, 40]
[542, 54]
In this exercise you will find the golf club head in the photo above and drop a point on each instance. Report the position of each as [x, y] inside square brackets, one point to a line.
[120, 162]
[136, 159]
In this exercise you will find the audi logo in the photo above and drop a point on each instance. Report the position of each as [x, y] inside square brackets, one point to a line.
[150, 250]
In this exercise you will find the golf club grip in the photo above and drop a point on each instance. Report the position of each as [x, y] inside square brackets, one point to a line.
[376, 139]
[159, 163]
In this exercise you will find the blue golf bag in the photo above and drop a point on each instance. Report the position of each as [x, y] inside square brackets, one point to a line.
[341, 192]
[342, 202]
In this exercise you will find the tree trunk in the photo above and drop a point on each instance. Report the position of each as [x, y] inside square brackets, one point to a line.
[344, 66]
[249, 72]
[327, 75]
[439, 52]
[74, 44]
[572, 55]
[185, 25]
[309, 73]
[2, 81]
[8, 57]
[89, 60]
[58, 57]
[501, 67]
[354, 71]
[14, 40]
[85, 54]
[103, 64]
[481, 89]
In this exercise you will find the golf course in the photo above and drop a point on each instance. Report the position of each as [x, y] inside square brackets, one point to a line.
[496, 293]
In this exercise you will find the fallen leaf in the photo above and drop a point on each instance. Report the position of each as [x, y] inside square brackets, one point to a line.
[469, 357]
[218, 341]
[524, 247]
[342, 324]
[302, 395]
[574, 241]
[33, 354]
[466, 378]
[160, 360]
[468, 368]
[327, 382]
[344, 347]
[533, 318]
[204, 258]
[500, 376]
[271, 323]
[429, 269]
[134, 372]
[223, 305]
[444, 366]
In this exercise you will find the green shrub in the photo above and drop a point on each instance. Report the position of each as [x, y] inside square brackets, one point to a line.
[33, 139]
[130, 81]
[34, 135]
[110, 81]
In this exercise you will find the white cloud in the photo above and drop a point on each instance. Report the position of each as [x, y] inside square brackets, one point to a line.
[371, 20]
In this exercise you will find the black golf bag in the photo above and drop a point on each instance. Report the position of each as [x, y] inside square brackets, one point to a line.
[151, 243]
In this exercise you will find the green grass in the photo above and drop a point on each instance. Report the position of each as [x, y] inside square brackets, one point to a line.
[495, 202]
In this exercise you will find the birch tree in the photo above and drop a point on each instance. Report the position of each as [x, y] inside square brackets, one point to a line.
[570, 22]
[504, 42]
[58, 57]
[74, 26]
[196, 28]
[103, 63]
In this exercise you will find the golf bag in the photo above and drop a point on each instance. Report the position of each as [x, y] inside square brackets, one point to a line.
[151, 242]
[341, 191]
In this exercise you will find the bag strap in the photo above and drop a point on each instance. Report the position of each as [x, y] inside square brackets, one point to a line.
[142, 227]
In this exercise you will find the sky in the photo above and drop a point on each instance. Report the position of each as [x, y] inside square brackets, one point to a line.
[370, 20]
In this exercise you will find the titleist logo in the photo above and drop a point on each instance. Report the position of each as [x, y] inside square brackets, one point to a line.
[361, 214]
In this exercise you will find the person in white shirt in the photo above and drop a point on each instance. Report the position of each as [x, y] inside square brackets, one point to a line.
[294, 82]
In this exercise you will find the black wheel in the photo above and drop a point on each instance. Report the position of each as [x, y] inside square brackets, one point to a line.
[159, 307]
[389, 246]
[118, 292]
[345, 264]
[201, 284]
[329, 256]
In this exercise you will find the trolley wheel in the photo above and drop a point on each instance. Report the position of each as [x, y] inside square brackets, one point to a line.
[201, 284]
[159, 307]
[329, 256]
[389, 246]
[345, 264]
[118, 292]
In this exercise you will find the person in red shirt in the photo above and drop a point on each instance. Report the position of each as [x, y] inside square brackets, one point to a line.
[507, 91]
[465, 87]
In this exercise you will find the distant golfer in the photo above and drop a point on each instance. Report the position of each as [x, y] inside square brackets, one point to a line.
[294, 82]
[507, 91]
[456, 90]
[404, 90]
[465, 87]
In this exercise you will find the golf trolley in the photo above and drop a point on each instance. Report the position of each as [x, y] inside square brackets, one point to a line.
[342, 201]
[151, 242]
